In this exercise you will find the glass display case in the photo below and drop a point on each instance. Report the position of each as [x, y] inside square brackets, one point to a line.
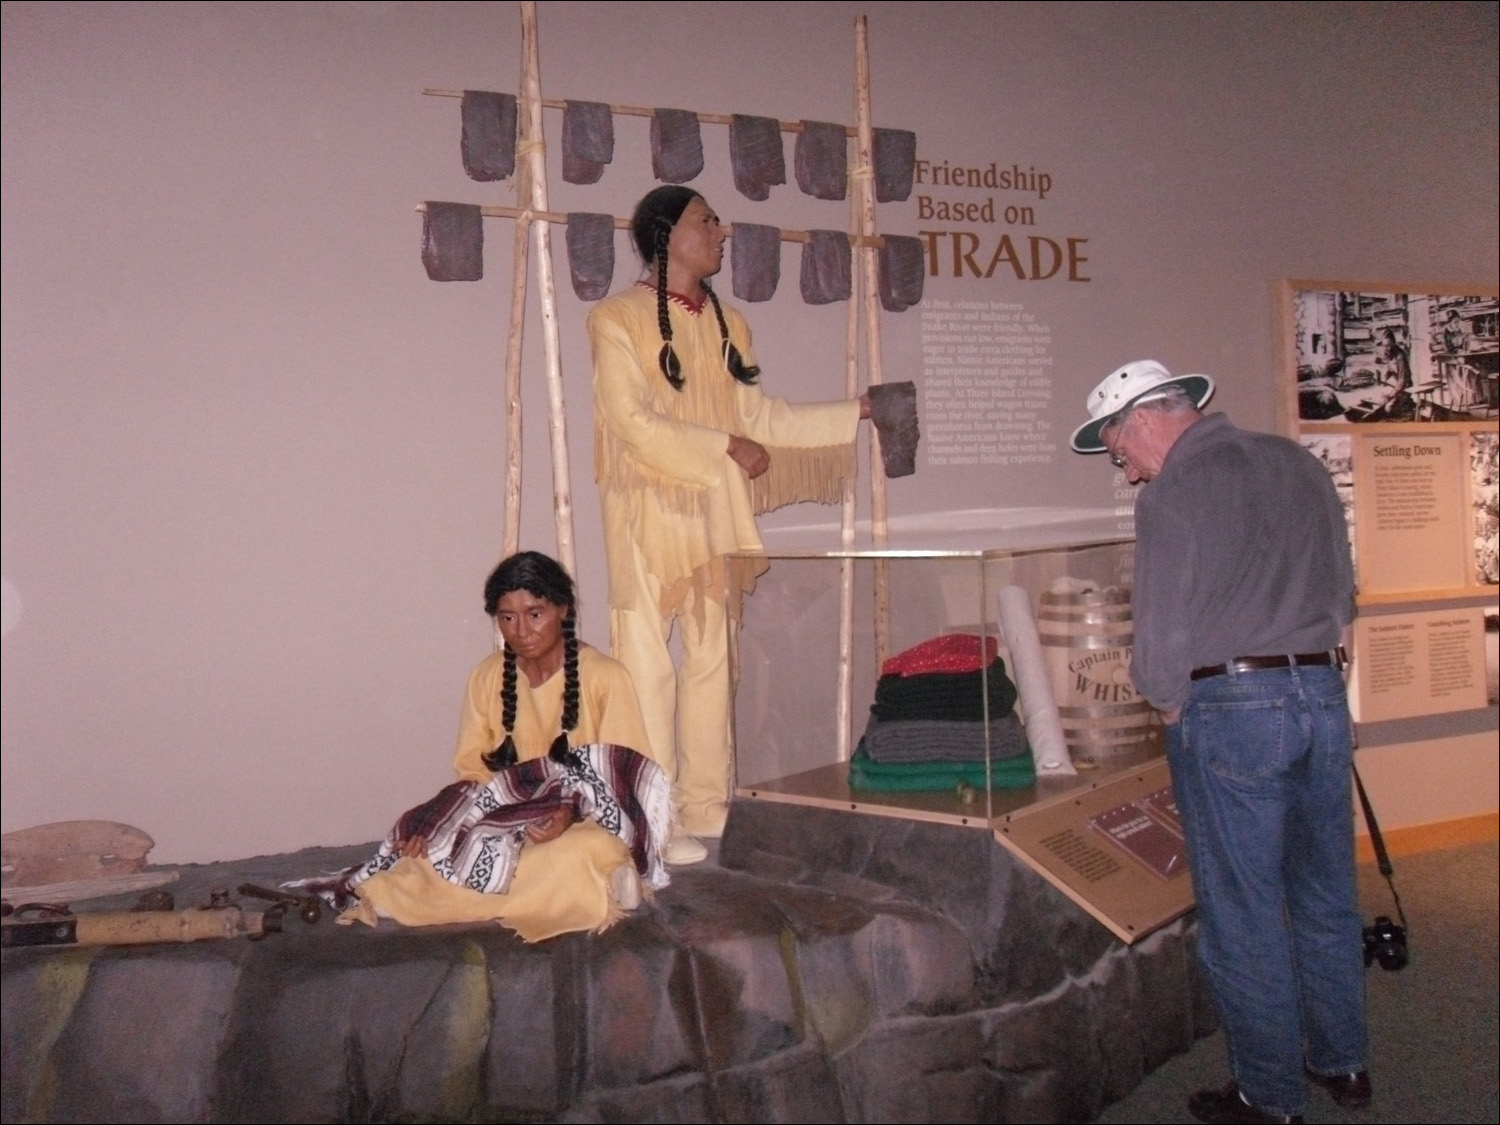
[979, 684]
[866, 679]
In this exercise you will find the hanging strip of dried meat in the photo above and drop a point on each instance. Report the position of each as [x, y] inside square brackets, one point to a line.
[826, 275]
[676, 146]
[489, 134]
[591, 254]
[895, 162]
[755, 259]
[756, 155]
[588, 141]
[453, 241]
[902, 270]
[821, 156]
[893, 410]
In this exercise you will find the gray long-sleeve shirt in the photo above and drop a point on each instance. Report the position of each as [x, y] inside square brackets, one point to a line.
[1241, 550]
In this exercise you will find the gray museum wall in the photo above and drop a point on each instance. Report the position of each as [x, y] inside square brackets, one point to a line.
[253, 457]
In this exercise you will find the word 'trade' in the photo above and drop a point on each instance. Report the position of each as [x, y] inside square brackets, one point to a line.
[1036, 258]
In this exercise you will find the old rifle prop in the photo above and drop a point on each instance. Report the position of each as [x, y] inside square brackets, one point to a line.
[153, 920]
[59, 926]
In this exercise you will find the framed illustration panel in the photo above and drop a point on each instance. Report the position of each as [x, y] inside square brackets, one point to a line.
[1365, 357]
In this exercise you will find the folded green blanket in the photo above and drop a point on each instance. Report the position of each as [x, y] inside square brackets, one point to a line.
[934, 777]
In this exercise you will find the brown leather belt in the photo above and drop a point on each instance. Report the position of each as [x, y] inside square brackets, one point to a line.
[1263, 663]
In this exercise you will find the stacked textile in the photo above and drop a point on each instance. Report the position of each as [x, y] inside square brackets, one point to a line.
[927, 728]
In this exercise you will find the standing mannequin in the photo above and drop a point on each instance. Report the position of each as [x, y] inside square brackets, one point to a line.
[687, 451]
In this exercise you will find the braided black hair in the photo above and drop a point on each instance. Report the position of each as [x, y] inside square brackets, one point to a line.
[732, 359]
[541, 577]
[560, 751]
[504, 755]
[651, 227]
[670, 365]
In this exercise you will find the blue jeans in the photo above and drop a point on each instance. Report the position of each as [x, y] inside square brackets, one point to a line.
[1261, 772]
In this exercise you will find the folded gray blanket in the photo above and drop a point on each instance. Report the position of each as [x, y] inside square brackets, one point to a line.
[943, 740]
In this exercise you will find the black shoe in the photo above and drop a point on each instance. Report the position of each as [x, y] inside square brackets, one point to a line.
[1227, 1107]
[1348, 1091]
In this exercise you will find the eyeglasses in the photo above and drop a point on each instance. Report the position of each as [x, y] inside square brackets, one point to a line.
[1116, 429]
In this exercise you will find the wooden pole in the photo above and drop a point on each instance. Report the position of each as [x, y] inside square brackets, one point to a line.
[788, 234]
[844, 706]
[865, 184]
[562, 493]
[519, 273]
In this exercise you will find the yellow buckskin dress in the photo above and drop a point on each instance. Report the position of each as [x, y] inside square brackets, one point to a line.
[561, 886]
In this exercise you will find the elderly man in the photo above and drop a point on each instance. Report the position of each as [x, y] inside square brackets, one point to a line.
[1243, 590]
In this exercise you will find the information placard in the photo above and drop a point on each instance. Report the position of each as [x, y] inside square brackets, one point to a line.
[1412, 528]
[1410, 664]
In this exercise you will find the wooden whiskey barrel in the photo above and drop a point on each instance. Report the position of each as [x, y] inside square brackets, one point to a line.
[1087, 638]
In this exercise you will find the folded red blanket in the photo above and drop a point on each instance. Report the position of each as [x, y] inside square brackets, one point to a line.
[952, 652]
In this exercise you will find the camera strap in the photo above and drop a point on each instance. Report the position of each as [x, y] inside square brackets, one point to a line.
[1377, 841]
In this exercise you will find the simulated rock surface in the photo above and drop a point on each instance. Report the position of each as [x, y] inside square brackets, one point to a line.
[848, 968]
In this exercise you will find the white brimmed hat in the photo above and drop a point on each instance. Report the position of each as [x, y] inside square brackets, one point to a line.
[1131, 385]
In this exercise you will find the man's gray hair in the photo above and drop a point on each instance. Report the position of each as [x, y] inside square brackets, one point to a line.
[1169, 400]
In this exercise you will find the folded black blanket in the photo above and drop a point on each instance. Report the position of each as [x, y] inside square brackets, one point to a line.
[959, 696]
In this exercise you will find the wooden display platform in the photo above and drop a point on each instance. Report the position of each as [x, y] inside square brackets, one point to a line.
[827, 787]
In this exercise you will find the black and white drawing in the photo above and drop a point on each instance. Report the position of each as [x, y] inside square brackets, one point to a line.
[1336, 451]
[1484, 489]
[1396, 357]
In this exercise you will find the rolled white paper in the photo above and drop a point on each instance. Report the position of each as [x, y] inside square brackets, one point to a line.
[1049, 750]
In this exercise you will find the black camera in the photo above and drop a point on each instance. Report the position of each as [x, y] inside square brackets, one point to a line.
[1386, 942]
